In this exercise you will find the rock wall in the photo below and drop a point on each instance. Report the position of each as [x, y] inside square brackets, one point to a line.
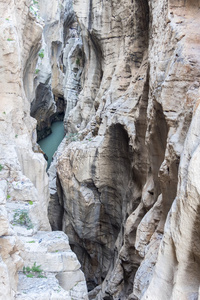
[25, 237]
[127, 181]
[59, 65]
[19, 184]
[124, 76]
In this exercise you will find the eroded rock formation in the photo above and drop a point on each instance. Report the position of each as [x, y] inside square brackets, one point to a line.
[119, 179]
[59, 65]
[124, 183]
[25, 236]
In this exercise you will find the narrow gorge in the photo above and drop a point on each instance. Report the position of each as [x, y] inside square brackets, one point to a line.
[114, 215]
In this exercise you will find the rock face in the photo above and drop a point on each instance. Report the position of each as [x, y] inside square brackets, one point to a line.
[129, 183]
[125, 77]
[58, 275]
[25, 236]
[59, 65]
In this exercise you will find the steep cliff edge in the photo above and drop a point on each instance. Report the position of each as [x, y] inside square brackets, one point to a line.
[118, 181]
[41, 259]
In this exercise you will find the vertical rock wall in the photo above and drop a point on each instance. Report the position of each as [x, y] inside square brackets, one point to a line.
[119, 178]
[25, 237]
[125, 75]
[19, 183]
[59, 66]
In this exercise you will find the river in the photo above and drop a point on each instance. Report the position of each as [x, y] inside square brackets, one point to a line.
[50, 144]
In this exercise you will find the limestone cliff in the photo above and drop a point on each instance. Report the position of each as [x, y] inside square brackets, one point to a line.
[129, 184]
[59, 65]
[26, 242]
[124, 76]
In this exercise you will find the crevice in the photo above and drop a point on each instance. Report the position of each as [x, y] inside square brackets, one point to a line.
[157, 141]
[55, 207]
[90, 14]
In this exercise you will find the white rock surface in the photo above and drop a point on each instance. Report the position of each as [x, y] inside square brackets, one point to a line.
[58, 72]
[140, 93]
[51, 251]
[128, 179]
[24, 184]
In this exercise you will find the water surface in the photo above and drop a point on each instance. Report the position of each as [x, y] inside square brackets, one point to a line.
[50, 144]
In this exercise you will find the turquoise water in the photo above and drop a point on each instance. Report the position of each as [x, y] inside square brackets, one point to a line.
[50, 144]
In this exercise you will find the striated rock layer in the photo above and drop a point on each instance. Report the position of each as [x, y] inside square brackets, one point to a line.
[125, 76]
[128, 183]
[59, 66]
[25, 238]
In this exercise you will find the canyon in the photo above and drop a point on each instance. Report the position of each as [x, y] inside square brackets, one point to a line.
[116, 215]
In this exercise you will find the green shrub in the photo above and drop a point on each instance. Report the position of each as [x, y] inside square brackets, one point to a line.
[37, 71]
[36, 268]
[41, 53]
[30, 275]
[41, 276]
[35, 271]
[1, 167]
[21, 218]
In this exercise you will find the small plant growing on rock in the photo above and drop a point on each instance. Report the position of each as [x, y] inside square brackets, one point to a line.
[37, 71]
[41, 53]
[21, 217]
[33, 11]
[1, 167]
[59, 290]
[34, 8]
[78, 61]
[35, 271]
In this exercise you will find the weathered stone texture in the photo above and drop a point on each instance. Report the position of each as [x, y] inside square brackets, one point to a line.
[24, 184]
[123, 212]
[59, 66]
[126, 74]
